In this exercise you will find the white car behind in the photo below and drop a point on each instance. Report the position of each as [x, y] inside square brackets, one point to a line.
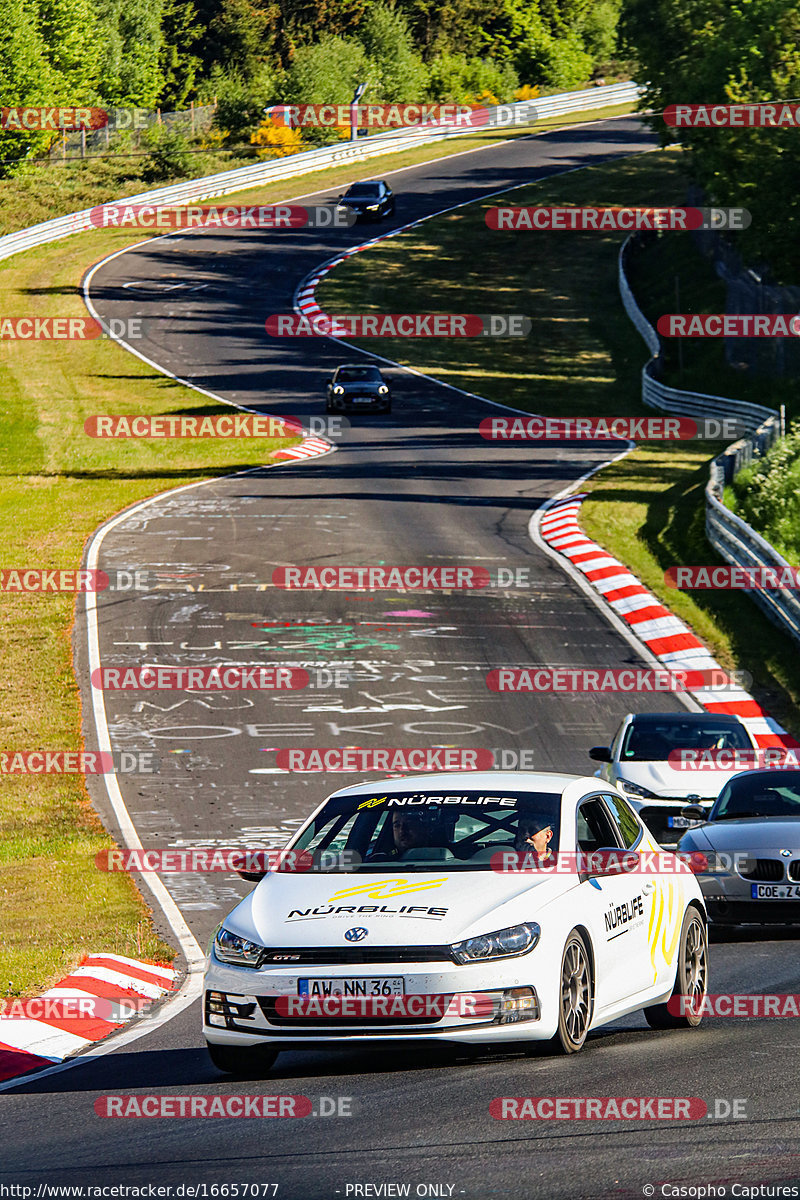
[638, 762]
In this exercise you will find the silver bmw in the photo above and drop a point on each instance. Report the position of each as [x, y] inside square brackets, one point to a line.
[749, 847]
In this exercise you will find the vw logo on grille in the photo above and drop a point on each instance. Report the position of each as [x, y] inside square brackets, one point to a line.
[356, 934]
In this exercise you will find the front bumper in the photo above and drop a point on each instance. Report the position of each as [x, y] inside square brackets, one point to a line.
[753, 912]
[361, 214]
[354, 404]
[730, 901]
[249, 1011]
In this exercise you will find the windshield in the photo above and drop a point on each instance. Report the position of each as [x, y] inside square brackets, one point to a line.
[355, 374]
[653, 740]
[429, 831]
[363, 191]
[773, 794]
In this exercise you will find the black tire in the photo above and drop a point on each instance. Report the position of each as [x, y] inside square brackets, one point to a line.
[248, 1062]
[328, 407]
[576, 997]
[388, 408]
[691, 978]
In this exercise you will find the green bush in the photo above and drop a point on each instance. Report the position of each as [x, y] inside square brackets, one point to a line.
[767, 495]
[328, 72]
[169, 156]
[454, 78]
[240, 103]
[556, 62]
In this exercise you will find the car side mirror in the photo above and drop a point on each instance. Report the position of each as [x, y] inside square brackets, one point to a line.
[600, 754]
[607, 861]
[252, 876]
[695, 812]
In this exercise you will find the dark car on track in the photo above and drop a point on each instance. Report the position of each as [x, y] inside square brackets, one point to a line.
[358, 386]
[369, 199]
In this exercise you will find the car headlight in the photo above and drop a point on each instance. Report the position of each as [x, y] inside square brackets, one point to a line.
[338, 390]
[504, 943]
[383, 389]
[636, 789]
[713, 862]
[230, 948]
[373, 207]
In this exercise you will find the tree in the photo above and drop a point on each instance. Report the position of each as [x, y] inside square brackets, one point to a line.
[131, 37]
[452, 27]
[706, 52]
[29, 79]
[386, 37]
[178, 64]
[304, 22]
[240, 37]
[328, 71]
[69, 33]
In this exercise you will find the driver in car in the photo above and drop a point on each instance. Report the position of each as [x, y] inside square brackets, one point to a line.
[412, 830]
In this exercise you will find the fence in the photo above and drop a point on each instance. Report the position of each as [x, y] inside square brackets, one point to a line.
[311, 160]
[749, 290]
[127, 125]
[732, 538]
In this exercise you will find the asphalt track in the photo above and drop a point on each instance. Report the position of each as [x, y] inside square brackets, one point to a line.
[417, 487]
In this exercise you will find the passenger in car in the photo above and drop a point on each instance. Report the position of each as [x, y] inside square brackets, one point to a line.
[534, 834]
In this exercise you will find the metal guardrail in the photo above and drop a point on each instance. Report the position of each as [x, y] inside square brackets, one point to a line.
[566, 102]
[740, 545]
[314, 160]
[732, 538]
[657, 395]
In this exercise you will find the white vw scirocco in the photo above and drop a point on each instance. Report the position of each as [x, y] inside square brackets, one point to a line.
[463, 907]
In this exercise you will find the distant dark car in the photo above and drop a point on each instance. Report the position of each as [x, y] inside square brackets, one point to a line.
[751, 840]
[355, 386]
[370, 199]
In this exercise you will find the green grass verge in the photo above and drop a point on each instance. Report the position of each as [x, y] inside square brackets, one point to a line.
[582, 358]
